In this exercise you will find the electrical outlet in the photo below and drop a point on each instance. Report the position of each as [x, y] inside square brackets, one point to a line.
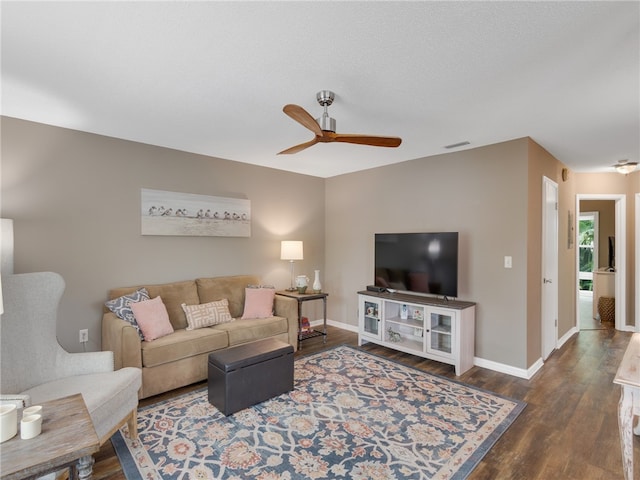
[508, 262]
[83, 335]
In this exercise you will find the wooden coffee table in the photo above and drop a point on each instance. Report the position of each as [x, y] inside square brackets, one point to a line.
[67, 435]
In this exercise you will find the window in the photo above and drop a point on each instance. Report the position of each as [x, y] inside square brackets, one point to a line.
[588, 248]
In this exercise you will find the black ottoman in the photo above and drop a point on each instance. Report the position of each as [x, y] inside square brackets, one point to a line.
[248, 374]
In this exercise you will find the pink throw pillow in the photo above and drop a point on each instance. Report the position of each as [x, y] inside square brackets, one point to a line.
[152, 318]
[258, 302]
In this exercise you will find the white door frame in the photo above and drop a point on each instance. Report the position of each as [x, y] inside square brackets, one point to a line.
[637, 241]
[549, 324]
[621, 255]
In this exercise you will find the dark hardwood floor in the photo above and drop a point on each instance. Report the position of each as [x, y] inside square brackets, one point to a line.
[568, 430]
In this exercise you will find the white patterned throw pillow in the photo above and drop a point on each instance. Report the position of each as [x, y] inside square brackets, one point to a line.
[207, 314]
[121, 306]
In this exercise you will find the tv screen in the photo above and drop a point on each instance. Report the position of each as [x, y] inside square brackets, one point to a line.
[417, 262]
[612, 254]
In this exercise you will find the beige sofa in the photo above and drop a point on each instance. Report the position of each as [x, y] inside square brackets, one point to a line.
[180, 358]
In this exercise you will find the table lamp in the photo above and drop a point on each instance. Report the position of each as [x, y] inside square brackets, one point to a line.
[291, 250]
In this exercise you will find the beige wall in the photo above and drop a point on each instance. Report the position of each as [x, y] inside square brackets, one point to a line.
[542, 164]
[75, 201]
[629, 186]
[567, 268]
[480, 193]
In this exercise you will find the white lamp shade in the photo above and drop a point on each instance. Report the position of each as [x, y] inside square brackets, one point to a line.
[6, 246]
[6, 252]
[291, 250]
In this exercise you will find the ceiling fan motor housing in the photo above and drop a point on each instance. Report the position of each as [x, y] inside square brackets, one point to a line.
[327, 123]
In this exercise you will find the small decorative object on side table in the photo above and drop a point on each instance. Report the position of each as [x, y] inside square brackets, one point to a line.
[302, 282]
[305, 326]
[304, 297]
[317, 286]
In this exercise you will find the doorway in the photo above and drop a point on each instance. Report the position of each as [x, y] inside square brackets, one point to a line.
[588, 258]
[618, 241]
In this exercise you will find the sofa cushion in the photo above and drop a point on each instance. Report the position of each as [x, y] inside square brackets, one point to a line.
[173, 295]
[182, 344]
[231, 288]
[152, 317]
[245, 330]
[207, 314]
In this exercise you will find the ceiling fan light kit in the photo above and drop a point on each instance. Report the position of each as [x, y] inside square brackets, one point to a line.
[625, 167]
[324, 127]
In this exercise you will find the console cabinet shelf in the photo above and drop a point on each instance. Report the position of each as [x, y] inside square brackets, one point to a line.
[438, 329]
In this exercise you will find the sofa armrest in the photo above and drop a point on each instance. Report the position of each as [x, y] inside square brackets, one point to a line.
[288, 307]
[122, 339]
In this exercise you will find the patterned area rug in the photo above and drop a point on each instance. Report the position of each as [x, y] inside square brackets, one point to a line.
[352, 415]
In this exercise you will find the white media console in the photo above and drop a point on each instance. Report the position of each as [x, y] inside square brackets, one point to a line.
[434, 328]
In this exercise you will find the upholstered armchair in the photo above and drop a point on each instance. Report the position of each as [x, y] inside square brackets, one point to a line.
[36, 367]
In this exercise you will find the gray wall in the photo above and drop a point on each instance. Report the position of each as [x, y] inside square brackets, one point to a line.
[75, 201]
[464, 192]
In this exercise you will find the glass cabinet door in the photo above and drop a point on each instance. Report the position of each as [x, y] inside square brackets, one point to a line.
[440, 332]
[371, 323]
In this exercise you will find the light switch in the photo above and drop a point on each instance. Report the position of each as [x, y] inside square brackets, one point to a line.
[508, 262]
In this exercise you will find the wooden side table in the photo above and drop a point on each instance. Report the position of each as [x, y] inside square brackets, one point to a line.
[628, 377]
[305, 297]
[67, 436]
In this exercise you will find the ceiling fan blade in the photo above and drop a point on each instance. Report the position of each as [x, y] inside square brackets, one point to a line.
[303, 117]
[365, 139]
[299, 148]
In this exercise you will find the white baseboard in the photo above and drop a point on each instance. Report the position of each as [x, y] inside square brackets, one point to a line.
[333, 323]
[508, 369]
[562, 340]
[477, 361]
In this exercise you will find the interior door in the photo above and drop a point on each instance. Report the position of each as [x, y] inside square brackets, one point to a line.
[549, 267]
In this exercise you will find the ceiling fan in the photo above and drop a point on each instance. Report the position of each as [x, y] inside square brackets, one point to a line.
[324, 128]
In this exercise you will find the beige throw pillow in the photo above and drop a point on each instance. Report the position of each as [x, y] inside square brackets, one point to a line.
[207, 314]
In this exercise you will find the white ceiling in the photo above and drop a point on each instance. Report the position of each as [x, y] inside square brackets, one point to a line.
[212, 77]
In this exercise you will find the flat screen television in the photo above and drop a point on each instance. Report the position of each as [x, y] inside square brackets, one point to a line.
[612, 254]
[417, 262]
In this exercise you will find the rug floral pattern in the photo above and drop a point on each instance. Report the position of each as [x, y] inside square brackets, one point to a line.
[352, 415]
